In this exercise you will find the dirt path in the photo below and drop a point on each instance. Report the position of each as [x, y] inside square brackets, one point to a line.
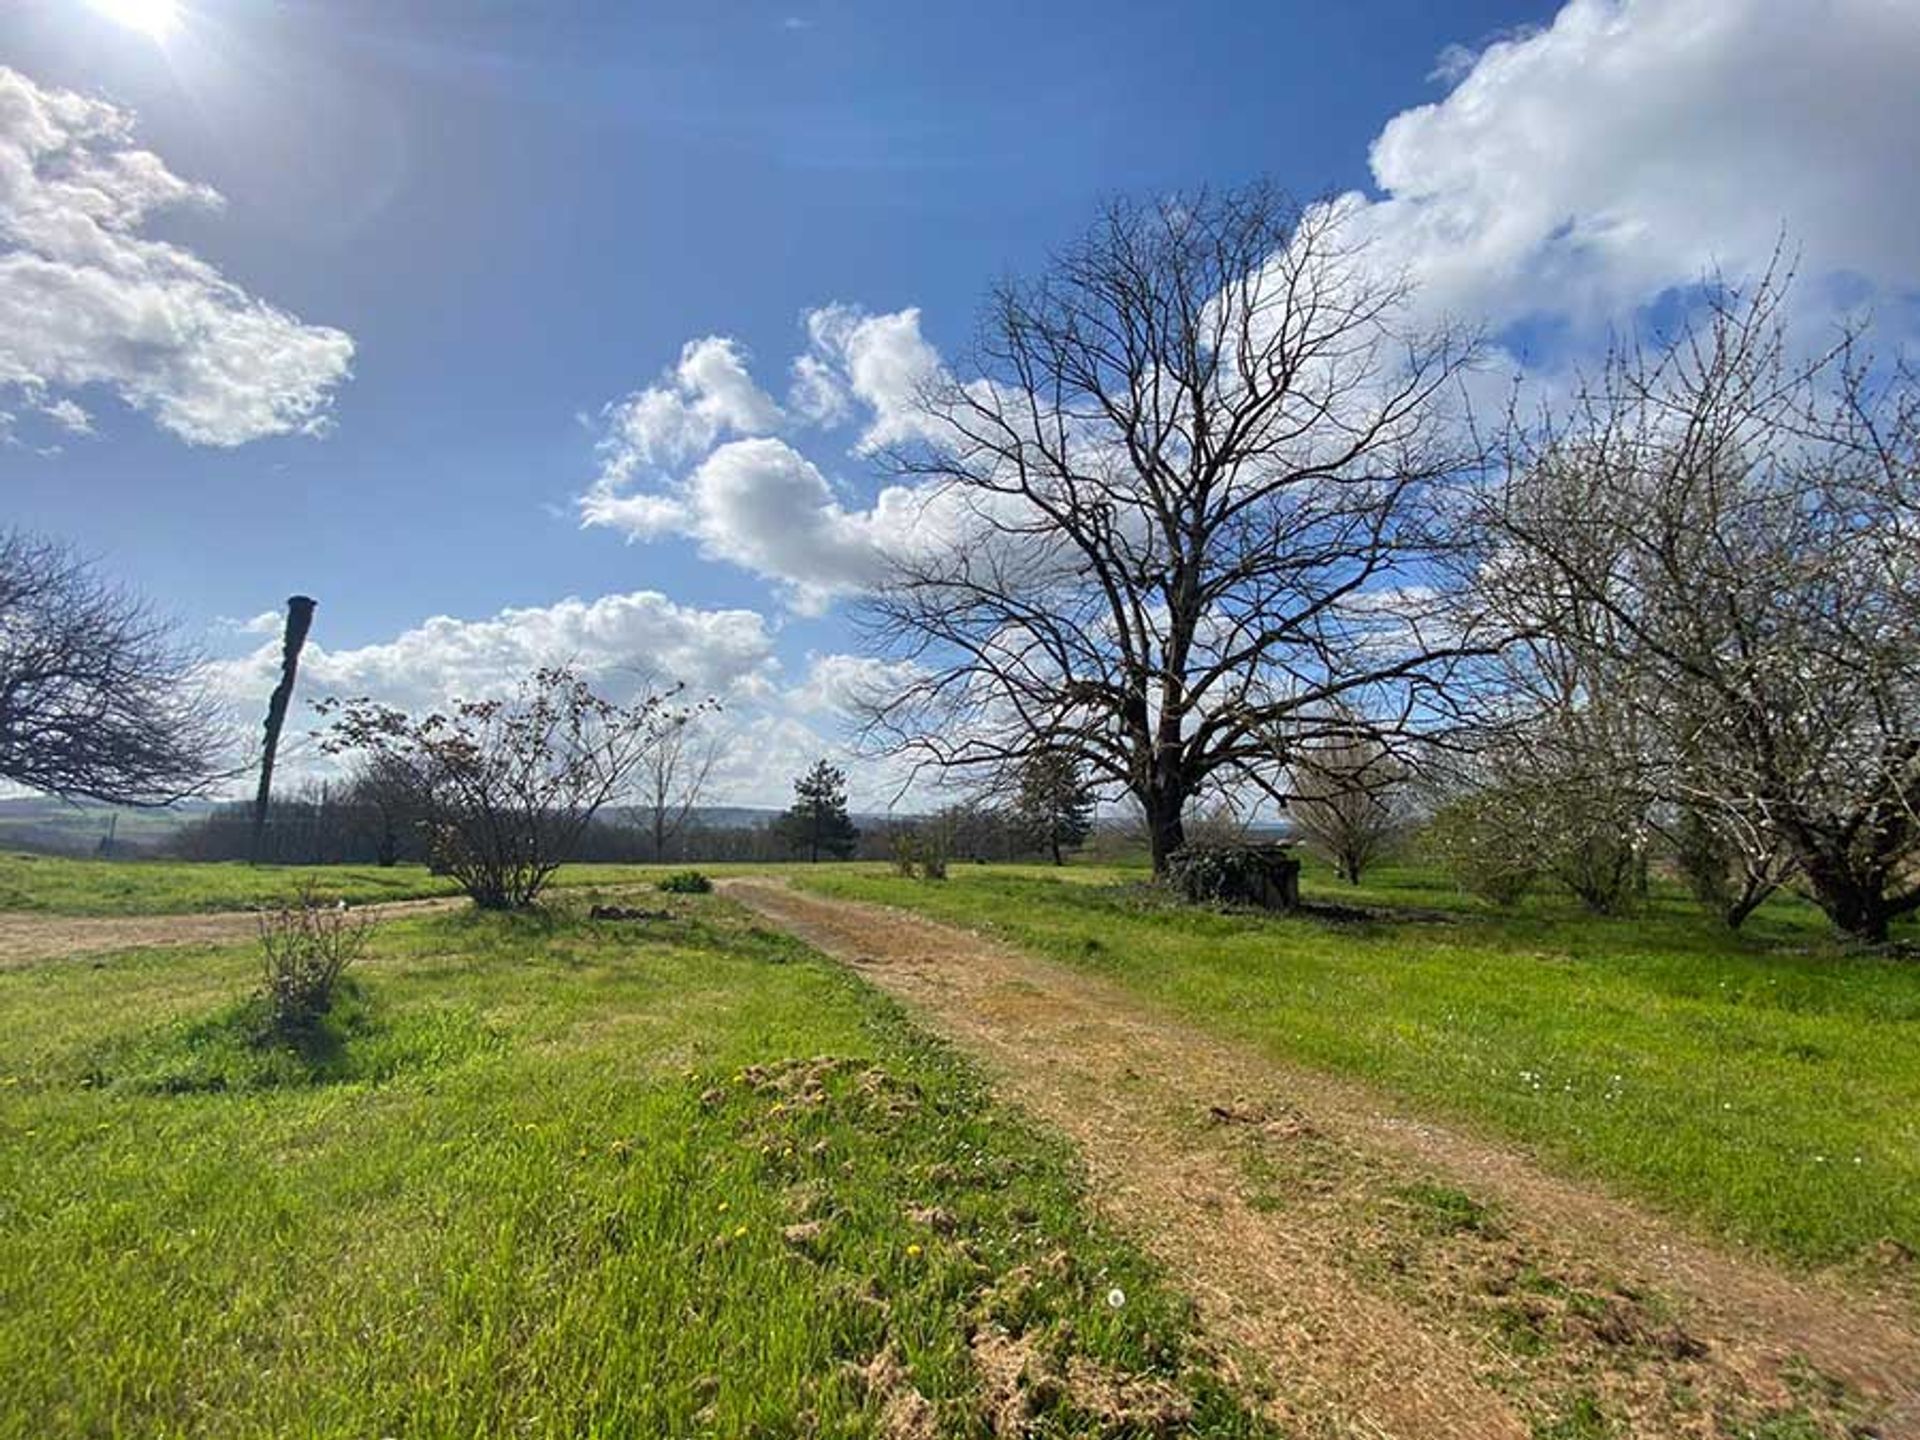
[1386, 1277]
[26, 939]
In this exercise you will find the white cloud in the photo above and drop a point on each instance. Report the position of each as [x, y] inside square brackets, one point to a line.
[1571, 177]
[769, 731]
[837, 684]
[699, 454]
[1580, 171]
[267, 622]
[69, 415]
[708, 395]
[881, 360]
[86, 299]
[616, 641]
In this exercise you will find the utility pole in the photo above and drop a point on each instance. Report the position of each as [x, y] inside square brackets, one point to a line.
[299, 621]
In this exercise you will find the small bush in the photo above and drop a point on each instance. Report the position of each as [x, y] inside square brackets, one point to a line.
[919, 854]
[305, 947]
[686, 882]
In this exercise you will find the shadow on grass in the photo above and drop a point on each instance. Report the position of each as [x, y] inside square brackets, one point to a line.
[238, 1050]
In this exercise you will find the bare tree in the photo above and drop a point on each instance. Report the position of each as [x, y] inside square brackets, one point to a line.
[673, 777]
[1350, 801]
[1728, 531]
[1184, 510]
[96, 697]
[505, 789]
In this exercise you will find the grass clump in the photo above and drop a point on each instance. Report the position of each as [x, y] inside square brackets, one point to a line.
[685, 882]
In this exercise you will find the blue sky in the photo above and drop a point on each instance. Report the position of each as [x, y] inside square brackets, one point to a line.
[517, 215]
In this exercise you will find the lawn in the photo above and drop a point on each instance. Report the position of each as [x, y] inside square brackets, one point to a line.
[542, 1176]
[1765, 1085]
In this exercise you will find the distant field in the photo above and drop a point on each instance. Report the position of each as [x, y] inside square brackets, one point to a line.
[1767, 1085]
[546, 1177]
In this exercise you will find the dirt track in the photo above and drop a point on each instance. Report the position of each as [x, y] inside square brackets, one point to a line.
[1342, 1249]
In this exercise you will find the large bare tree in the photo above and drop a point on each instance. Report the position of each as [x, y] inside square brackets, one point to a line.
[1725, 531]
[97, 698]
[1181, 523]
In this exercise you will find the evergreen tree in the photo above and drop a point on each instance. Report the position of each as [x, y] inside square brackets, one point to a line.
[818, 821]
[1054, 804]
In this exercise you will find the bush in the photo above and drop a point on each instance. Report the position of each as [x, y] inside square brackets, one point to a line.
[906, 856]
[919, 853]
[305, 947]
[686, 882]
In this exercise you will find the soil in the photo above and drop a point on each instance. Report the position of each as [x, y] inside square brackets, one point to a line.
[1368, 1273]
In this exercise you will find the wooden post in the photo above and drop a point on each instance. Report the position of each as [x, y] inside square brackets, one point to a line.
[299, 621]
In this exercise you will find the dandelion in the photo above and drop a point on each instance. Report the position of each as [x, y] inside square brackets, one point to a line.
[779, 1108]
[739, 1232]
[1116, 1297]
[913, 1252]
[725, 1205]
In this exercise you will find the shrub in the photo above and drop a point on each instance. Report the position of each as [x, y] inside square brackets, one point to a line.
[305, 947]
[686, 882]
[906, 855]
[920, 853]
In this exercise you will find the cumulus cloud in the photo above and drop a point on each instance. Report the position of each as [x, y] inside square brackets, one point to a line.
[769, 729]
[882, 361]
[87, 299]
[616, 641]
[708, 395]
[1581, 170]
[700, 454]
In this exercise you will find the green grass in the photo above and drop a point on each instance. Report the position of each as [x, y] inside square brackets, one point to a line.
[1766, 1085]
[58, 885]
[529, 1182]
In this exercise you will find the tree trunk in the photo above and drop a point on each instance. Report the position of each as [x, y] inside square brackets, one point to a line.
[1855, 906]
[1166, 832]
[299, 622]
[1054, 841]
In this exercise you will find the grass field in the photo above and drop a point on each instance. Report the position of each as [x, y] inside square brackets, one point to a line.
[541, 1177]
[1766, 1085]
[57, 885]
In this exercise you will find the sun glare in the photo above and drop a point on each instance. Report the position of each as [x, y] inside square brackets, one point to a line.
[156, 18]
